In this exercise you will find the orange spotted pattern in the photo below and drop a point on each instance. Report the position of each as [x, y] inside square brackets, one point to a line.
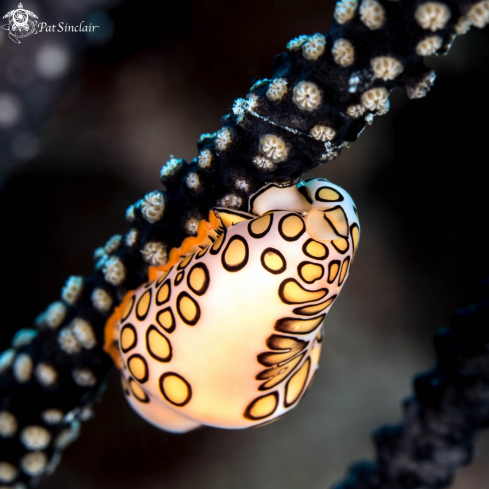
[282, 248]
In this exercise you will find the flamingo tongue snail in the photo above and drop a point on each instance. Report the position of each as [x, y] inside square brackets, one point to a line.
[228, 333]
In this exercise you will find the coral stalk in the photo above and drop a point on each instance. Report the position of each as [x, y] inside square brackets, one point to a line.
[441, 420]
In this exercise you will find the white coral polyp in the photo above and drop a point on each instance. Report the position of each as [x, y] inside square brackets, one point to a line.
[72, 289]
[277, 89]
[241, 184]
[34, 463]
[192, 181]
[314, 47]
[323, 133]
[101, 300]
[231, 201]
[376, 100]
[101, 262]
[479, 14]
[155, 253]
[432, 15]
[114, 271]
[223, 139]
[422, 88]
[429, 46]
[356, 110]
[22, 368]
[83, 332]
[55, 314]
[372, 14]
[205, 158]
[264, 163]
[296, 43]
[345, 10]
[35, 437]
[307, 96]
[130, 213]
[152, 206]
[8, 473]
[113, 244]
[131, 237]
[463, 25]
[273, 148]
[191, 226]
[52, 416]
[386, 67]
[68, 342]
[84, 377]
[170, 167]
[343, 52]
[8, 424]
[23, 337]
[45, 374]
[383, 110]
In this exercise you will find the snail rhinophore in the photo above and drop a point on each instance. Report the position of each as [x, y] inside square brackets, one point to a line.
[228, 333]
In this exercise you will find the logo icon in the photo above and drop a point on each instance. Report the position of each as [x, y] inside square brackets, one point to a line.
[20, 24]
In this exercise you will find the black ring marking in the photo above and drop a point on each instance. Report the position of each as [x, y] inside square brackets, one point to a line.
[145, 399]
[304, 250]
[347, 261]
[303, 264]
[284, 325]
[172, 327]
[242, 264]
[325, 215]
[166, 282]
[331, 263]
[212, 249]
[247, 413]
[207, 280]
[338, 249]
[178, 278]
[189, 258]
[193, 321]
[150, 351]
[140, 357]
[265, 374]
[132, 301]
[308, 361]
[316, 196]
[133, 344]
[273, 250]
[303, 309]
[201, 253]
[274, 340]
[296, 237]
[260, 235]
[304, 190]
[289, 280]
[189, 387]
[136, 308]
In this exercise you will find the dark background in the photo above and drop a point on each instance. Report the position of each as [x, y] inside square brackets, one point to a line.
[417, 176]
